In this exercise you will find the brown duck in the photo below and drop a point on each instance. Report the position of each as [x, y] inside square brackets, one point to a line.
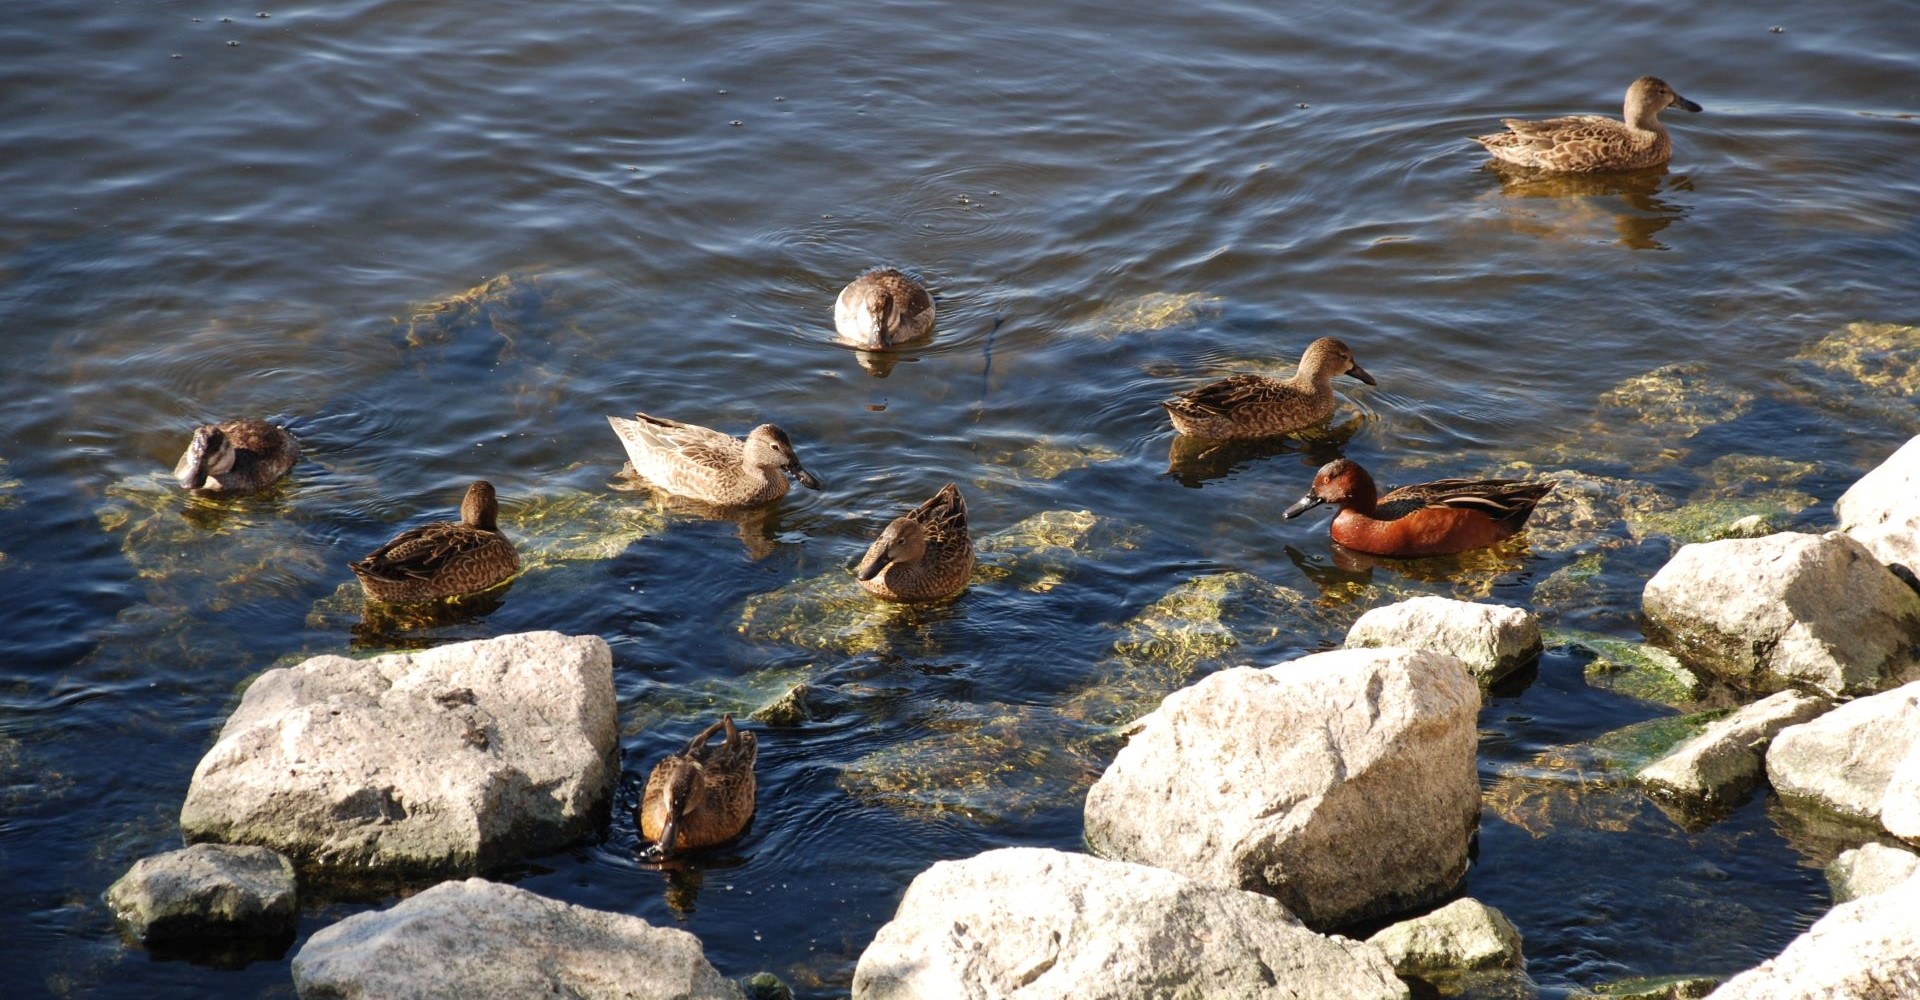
[883, 308]
[1255, 406]
[443, 559]
[1586, 143]
[924, 555]
[239, 456]
[1426, 519]
[702, 795]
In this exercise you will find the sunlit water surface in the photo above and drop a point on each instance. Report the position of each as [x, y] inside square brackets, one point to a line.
[1112, 203]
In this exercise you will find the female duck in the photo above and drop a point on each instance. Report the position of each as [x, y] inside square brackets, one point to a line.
[1430, 519]
[1585, 143]
[240, 456]
[443, 559]
[883, 308]
[925, 555]
[1254, 406]
[702, 795]
[706, 465]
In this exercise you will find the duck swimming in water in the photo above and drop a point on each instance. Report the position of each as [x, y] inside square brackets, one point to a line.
[703, 464]
[701, 796]
[237, 457]
[1255, 406]
[923, 555]
[1427, 519]
[1586, 143]
[883, 308]
[443, 559]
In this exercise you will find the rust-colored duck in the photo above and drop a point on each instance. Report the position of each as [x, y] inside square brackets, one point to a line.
[701, 796]
[923, 555]
[1426, 519]
[443, 559]
[1255, 406]
[237, 457]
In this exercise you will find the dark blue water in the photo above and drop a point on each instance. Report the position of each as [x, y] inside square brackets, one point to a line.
[1112, 203]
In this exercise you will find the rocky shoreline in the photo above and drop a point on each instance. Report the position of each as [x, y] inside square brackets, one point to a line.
[1249, 823]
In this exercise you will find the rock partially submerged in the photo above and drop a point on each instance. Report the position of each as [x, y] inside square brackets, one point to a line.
[1867, 949]
[1851, 760]
[989, 763]
[416, 765]
[1869, 869]
[483, 939]
[1491, 640]
[1047, 925]
[1585, 511]
[1728, 759]
[1882, 511]
[1150, 313]
[1461, 937]
[207, 892]
[1634, 669]
[1816, 612]
[1342, 783]
[1588, 785]
[1869, 370]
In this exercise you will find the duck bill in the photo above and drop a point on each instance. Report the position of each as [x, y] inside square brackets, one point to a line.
[807, 479]
[192, 468]
[871, 565]
[1681, 102]
[1306, 503]
[1361, 373]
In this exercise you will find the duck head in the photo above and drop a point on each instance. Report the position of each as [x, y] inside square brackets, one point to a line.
[481, 507]
[209, 454]
[904, 541]
[1650, 95]
[684, 781]
[769, 445]
[1341, 482]
[1330, 356]
[865, 317]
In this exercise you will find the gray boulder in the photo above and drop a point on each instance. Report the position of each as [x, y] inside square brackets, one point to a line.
[1042, 924]
[1867, 949]
[1816, 612]
[207, 891]
[416, 765]
[1463, 936]
[1882, 510]
[471, 939]
[1869, 869]
[1728, 758]
[1343, 783]
[1491, 639]
[1844, 762]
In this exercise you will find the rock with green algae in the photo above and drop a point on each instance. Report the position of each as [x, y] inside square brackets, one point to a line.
[1654, 988]
[1588, 785]
[1051, 458]
[1712, 520]
[1883, 357]
[831, 612]
[1740, 475]
[1585, 512]
[1574, 586]
[756, 695]
[503, 307]
[1678, 400]
[578, 525]
[207, 555]
[1149, 313]
[991, 763]
[1634, 669]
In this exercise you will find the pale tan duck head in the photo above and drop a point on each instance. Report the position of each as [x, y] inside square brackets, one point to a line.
[768, 447]
[904, 541]
[1330, 356]
[1647, 97]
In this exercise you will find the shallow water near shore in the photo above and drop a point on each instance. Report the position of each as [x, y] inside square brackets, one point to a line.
[443, 241]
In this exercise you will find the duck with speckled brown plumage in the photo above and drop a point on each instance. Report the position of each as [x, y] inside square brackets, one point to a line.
[443, 559]
[923, 555]
[1426, 519]
[701, 796]
[1587, 143]
[881, 309]
[1256, 406]
[237, 457]
[703, 464]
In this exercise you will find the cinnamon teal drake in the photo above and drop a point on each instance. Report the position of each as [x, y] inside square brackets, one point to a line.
[239, 456]
[1586, 143]
[924, 555]
[702, 795]
[883, 308]
[703, 464]
[443, 559]
[1255, 406]
[1428, 519]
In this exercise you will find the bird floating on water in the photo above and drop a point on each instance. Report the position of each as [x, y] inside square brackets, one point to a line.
[1585, 143]
[701, 796]
[1253, 406]
[239, 456]
[883, 308]
[923, 555]
[445, 558]
[701, 463]
[1426, 519]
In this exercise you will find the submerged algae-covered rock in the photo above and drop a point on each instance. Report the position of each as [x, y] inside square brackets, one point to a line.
[1149, 313]
[1738, 475]
[749, 695]
[9, 488]
[1634, 669]
[1868, 369]
[501, 307]
[1588, 785]
[1040, 552]
[1051, 458]
[210, 554]
[990, 763]
[1655, 988]
[1714, 519]
[1678, 400]
[1584, 511]
[577, 525]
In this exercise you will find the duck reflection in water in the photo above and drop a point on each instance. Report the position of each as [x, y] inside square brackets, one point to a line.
[1639, 213]
[386, 626]
[1198, 461]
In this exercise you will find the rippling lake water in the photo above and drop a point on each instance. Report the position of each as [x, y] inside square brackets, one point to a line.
[210, 212]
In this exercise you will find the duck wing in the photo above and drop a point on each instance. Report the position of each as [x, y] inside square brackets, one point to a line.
[944, 516]
[1504, 500]
[1232, 393]
[1548, 132]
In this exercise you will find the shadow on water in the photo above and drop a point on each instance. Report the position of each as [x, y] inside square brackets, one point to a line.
[1194, 462]
[1631, 198]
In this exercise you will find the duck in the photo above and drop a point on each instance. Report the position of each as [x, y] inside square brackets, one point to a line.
[701, 796]
[704, 464]
[1428, 519]
[883, 308]
[1587, 143]
[1255, 406]
[443, 559]
[923, 555]
[236, 458]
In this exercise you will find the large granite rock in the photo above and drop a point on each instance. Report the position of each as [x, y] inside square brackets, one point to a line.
[1847, 760]
[1463, 936]
[463, 940]
[1491, 639]
[1042, 924]
[1728, 758]
[1869, 869]
[1882, 510]
[207, 891]
[1868, 949]
[416, 765]
[1816, 612]
[1341, 783]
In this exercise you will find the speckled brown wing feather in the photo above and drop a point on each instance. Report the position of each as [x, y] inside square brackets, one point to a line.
[944, 516]
[1234, 392]
[426, 552]
[1506, 501]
